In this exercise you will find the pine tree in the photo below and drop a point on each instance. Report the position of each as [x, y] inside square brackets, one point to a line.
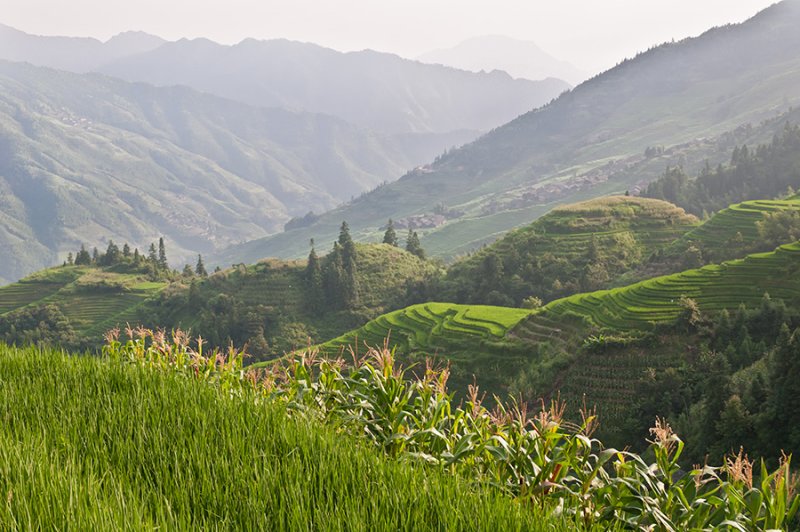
[390, 236]
[69, 258]
[112, 254]
[200, 268]
[349, 282]
[187, 271]
[413, 246]
[136, 257]
[126, 250]
[152, 255]
[83, 257]
[315, 293]
[95, 256]
[162, 254]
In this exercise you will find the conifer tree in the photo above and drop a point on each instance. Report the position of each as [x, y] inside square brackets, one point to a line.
[313, 274]
[83, 257]
[112, 254]
[136, 257]
[349, 282]
[162, 254]
[200, 268]
[95, 256]
[152, 257]
[69, 258]
[413, 246]
[126, 250]
[187, 271]
[390, 236]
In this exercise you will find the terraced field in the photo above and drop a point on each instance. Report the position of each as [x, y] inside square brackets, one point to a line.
[642, 305]
[430, 326]
[619, 232]
[91, 310]
[718, 236]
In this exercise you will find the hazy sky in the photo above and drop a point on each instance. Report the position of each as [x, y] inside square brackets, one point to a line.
[592, 34]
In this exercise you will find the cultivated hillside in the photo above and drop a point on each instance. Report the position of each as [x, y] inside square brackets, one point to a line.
[268, 305]
[86, 158]
[592, 140]
[571, 249]
[379, 91]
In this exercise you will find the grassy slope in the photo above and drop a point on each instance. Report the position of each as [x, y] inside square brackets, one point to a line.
[76, 291]
[86, 444]
[641, 225]
[383, 272]
[717, 234]
[496, 343]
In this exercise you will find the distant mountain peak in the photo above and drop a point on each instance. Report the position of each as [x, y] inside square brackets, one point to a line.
[519, 58]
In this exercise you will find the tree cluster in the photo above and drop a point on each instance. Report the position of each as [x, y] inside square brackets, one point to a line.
[765, 172]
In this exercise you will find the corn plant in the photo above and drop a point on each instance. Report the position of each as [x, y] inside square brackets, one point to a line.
[534, 456]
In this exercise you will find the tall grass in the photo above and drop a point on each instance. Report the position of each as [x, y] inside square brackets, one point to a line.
[537, 458]
[88, 444]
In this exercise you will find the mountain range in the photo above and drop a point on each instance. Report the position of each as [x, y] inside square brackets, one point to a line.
[689, 97]
[521, 59]
[88, 158]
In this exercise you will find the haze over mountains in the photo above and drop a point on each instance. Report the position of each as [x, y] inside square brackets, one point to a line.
[88, 158]
[588, 142]
[521, 59]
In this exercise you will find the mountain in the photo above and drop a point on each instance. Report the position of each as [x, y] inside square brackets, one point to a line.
[380, 91]
[76, 54]
[689, 97]
[521, 59]
[571, 249]
[87, 158]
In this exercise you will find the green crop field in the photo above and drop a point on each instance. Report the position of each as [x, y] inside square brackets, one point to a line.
[93, 299]
[431, 326]
[714, 287]
[718, 236]
[88, 444]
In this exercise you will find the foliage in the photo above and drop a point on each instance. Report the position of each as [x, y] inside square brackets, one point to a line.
[765, 172]
[39, 325]
[538, 459]
[572, 249]
[88, 444]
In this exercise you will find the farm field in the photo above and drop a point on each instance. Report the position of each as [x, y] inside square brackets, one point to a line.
[714, 287]
[717, 237]
[90, 444]
[430, 326]
[92, 299]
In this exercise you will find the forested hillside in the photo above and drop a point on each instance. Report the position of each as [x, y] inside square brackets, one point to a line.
[692, 94]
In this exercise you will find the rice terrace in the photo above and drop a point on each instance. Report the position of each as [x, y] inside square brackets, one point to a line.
[336, 267]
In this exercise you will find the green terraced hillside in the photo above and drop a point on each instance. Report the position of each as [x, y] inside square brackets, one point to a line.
[572, 249]
[431, 326]
[714, 287]
[718, 238]
[280, 289]
[470, 337]
[92, 299]
[535, 351]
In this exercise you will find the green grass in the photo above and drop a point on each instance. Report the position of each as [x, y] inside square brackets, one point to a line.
[89, 444]
[432, 326]
[717, 237]
[714, 287]
[82, 294]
